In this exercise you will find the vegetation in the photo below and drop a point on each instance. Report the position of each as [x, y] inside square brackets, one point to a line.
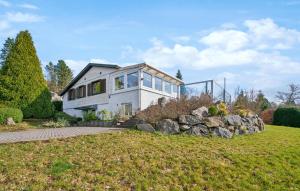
[213, 110]
[60, 122]
[105, 115]
[179, 75]
[7, 112]
[289, 116]
[22, 84]
[7, 46]
[58, 106]
[24, 125]
[133, 160]
[291, 97]
[58, 76]
[89, 115]
[174, 108]
[64, 116]
[267, 116]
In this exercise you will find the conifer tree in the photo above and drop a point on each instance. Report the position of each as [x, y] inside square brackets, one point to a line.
[9, 42]
[22, 83]
[178, 75]
[64, 74]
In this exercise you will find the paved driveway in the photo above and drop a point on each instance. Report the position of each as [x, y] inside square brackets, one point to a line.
[51, 133]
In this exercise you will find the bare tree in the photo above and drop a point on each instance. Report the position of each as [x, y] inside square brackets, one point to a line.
[291, 97]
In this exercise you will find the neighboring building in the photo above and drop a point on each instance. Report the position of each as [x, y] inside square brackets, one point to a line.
[55, 97]
[118, 89]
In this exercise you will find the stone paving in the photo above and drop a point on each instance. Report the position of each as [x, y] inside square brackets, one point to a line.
[51, 133]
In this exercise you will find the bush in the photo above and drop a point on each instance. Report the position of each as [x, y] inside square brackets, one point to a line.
[104, 115]
[242, 112]
[174, 108]
[7, 112]
[287, 116]
[89, 115]
[213, 110]
[64, 116]
[222, 109]
[56, 124]
[267, 116]
[58, 105]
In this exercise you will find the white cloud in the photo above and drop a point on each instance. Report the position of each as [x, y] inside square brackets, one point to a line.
[4, 25]
[20, 17]
[4, 3]
[28, 6]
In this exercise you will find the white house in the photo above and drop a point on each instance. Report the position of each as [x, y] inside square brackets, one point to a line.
[118, 89]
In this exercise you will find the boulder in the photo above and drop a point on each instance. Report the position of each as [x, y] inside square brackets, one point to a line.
[145, 127]
[189, 120]
[10, 122]
[222, 132]
[184, 127]
[167, 126]
[162, 101]
[200, 112]
[198, 130]
[213, 122]
[253, 129]
[261, 125]
[230, 128]
[234, 120]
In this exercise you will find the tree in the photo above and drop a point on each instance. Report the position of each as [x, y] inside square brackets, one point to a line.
[51, 77]
[262, 103]
[291, 97]
[64, 74]
[178, 75]
[22, 83]
[9, 42]
[58, 76]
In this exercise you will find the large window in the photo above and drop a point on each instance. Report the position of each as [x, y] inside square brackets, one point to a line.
[132, 79]
[71, 94]
[97, 87]
[119, 83]
[81, 91]
[147, 80]
[175, 88]
[158, 83]
[168, 87]
[126, 109]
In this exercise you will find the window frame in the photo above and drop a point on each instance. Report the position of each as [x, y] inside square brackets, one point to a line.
[83, 89]
[71, 94]
[176, 88]
[170, 87]
[151, 79]
[137, 79]
[122, 85]
[161, 83]
[102, 83]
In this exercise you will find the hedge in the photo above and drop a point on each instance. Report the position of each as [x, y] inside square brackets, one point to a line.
[7, 112]
[58, 105]
[63, 115]
[287, 116]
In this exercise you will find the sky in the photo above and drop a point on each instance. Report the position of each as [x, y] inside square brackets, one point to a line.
[253, 44]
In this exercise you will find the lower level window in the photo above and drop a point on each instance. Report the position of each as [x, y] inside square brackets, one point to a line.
[126, 109]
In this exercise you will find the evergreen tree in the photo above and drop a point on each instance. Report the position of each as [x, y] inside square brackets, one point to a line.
[22, 83]
[262, 103]
[9, 42]
[178, 75]
[64, 74]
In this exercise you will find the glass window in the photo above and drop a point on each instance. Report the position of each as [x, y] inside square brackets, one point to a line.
[126, 109]
[175, 88]
[81, 91]
[147, 80]
[98, 87]
[71, 94]
[119, 83]
[132, 79]
[168, 87]
[158, 83]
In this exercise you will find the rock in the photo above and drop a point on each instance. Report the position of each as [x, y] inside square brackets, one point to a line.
[261, 125]
[167, 126]
[162, 101]
[200, 112]
[234, 120]
[222, 132]
[184, 127]
[213, 122]
[10, 122]
[253, 129]
[230, 128]
[145, 127]
[189, 120]
[198, 130]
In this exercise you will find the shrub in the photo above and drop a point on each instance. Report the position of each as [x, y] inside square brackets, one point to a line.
[89, 115]
[63, 115]
[222, 109]
[174, 108]
[57, 124]
[213, 110]
[267, 116]
[242, 112]
[287, 116]
[7, 112]
[104, 115]
[58, 105]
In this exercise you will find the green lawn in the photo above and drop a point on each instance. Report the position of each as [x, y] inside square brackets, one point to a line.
[24, 125]
[131, 159]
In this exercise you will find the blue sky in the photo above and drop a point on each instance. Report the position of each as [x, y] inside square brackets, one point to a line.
[254, 44]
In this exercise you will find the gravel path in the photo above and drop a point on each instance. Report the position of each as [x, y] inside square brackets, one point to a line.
[51, 133]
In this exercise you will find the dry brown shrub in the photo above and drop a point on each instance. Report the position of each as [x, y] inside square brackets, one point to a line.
[174, 108]
[267, 116]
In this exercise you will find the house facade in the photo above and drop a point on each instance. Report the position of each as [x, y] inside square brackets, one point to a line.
[125, 90]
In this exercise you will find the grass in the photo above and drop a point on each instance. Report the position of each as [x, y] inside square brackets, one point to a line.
[24, 125]
[143, 161]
